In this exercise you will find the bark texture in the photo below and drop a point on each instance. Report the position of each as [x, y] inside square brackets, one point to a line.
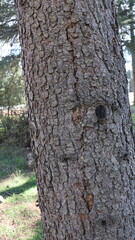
[79, 118]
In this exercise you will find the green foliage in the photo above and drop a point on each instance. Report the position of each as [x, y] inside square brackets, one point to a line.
[133, 119]
[11, 82]
[14, 130]
[133, 116]
[8, 21]
[8, 24]
[12, 161]
[126, 18]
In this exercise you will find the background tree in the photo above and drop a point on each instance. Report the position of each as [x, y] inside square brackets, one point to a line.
[9, 28]
[79, 118]
[11, 80]
[8, 22]
[126, 17]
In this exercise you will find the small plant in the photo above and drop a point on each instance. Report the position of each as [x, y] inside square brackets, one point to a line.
[14, 130]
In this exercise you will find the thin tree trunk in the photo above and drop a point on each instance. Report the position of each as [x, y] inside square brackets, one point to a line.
[133, 75]
[79, 118]
[132, 45]
[133, 70]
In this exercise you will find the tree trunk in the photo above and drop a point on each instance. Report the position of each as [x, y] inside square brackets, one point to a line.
[133, 64]
[133, 72]
[132, 44]
[79, 116]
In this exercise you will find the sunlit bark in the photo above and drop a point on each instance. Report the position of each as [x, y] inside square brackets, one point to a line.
[79, 118]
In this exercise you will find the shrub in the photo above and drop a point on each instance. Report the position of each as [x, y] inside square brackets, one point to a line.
[14, 130]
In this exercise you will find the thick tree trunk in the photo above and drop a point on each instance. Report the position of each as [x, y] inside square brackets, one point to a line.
[79, 118]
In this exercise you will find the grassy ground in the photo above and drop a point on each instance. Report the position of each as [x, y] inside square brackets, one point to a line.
[19, 216]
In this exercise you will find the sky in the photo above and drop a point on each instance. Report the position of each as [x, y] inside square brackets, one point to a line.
[6, 49]
[128, 61]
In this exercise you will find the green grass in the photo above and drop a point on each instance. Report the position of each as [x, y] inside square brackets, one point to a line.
[21, 222]
[19, 216]
[11, 160]
[19, 186]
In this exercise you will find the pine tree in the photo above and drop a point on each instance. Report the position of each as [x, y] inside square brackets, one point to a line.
[126, 17]
[11, 81]
[79, 118]
[8, 22]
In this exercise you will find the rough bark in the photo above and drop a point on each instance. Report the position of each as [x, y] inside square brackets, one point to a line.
[79, 118]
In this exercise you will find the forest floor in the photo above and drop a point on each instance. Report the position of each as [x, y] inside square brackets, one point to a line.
[19, 215]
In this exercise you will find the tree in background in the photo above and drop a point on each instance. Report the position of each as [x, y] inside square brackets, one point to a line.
[8, 22]
[11, 80]
[130, 82]
[126, 16]
[79, 118]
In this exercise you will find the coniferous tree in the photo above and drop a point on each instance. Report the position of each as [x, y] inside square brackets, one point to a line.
[8, 22]
[126, 17]
[79, 118]
[11, 81]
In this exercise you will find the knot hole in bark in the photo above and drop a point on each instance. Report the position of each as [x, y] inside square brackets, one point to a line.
[103, 222]
[100, 112]
[22, 2]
